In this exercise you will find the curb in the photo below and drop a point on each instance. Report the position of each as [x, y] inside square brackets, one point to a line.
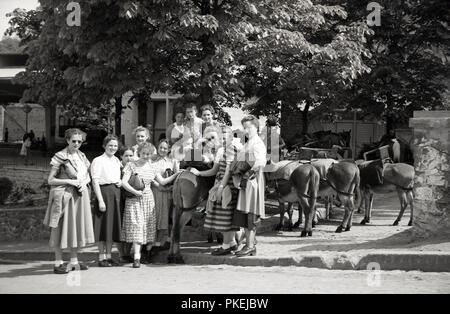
[426, 262]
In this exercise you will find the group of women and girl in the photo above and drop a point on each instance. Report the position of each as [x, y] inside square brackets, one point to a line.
[139, 219]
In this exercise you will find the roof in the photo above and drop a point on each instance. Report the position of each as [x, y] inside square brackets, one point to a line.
[10, 72]
[10, 66]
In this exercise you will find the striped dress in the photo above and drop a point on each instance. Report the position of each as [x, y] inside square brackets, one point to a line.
[219, 219]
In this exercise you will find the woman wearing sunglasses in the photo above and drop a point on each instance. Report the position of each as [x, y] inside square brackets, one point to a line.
[69, 209]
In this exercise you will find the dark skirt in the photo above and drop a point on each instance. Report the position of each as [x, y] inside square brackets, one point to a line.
[249, 221]
[107, 225]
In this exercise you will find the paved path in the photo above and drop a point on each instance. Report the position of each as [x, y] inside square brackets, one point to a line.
[37, 277]
[393, 247]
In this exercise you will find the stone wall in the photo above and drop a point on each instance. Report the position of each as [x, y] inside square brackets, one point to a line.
[22, 175]
[432, 164]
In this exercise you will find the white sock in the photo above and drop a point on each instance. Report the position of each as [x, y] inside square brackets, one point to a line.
[58, 263]
[137, 255]
[101, 257]
[74, 260]
[226, 246]
[108, 256]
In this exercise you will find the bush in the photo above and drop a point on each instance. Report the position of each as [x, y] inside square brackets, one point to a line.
[17, 194]
[6, 186]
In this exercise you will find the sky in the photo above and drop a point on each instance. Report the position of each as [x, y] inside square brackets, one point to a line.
[7, 6]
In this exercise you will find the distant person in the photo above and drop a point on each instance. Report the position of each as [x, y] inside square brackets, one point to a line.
[24, 151]
[6, 135]
[193, 126]
[32, 136]
[43, 146]
[175, 130]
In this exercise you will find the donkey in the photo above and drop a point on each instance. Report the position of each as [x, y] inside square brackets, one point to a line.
[189, 191]
[300, 184]
[379, 178]
[344, 178]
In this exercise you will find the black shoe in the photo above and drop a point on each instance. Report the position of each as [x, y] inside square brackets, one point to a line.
[221, 251]
[114, 263]
[246, 251]
[81, 266]
[136, 263]
[104, 263]
[61, 269]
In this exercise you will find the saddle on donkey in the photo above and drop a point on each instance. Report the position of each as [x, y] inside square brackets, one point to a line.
[371, 172]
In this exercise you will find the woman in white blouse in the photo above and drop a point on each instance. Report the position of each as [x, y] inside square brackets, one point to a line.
[250, 205]
[105, 172]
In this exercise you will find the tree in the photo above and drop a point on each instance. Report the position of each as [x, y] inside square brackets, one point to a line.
[410, 52]
[302, 54]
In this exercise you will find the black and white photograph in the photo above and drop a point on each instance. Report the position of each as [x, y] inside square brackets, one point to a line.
[224, 152]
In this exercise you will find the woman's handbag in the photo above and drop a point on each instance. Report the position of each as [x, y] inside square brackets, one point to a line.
[136, 183]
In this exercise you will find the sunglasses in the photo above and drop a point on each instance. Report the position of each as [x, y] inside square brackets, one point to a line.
[75, 142]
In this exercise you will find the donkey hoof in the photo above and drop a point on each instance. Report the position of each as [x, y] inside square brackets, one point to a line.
[210, 238]
[395, 223]
[309, 233]
[410, 223]
[314, 224]
[278, 227]
[170, 259]
[303, 234]
[297, 224]
[339, 229]
[347, 229]
[363, 222]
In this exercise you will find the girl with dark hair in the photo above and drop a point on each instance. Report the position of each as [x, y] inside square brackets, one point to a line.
[250, 204]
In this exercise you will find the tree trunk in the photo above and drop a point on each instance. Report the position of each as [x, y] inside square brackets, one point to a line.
[50, 126]
[305, 118]
[118, 117]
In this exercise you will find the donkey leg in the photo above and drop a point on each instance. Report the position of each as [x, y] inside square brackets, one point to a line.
[344, 222]
[290, 211]
[410, 197]
[175, 238]
[300, 216]
[351, 205]
[403, 204]
[281, 210]
[302, 204]
[364, 202]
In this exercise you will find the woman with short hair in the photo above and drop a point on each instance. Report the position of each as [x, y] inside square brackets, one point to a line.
[69, 208]
[105, 173]
[250, 205]
[142, 136]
